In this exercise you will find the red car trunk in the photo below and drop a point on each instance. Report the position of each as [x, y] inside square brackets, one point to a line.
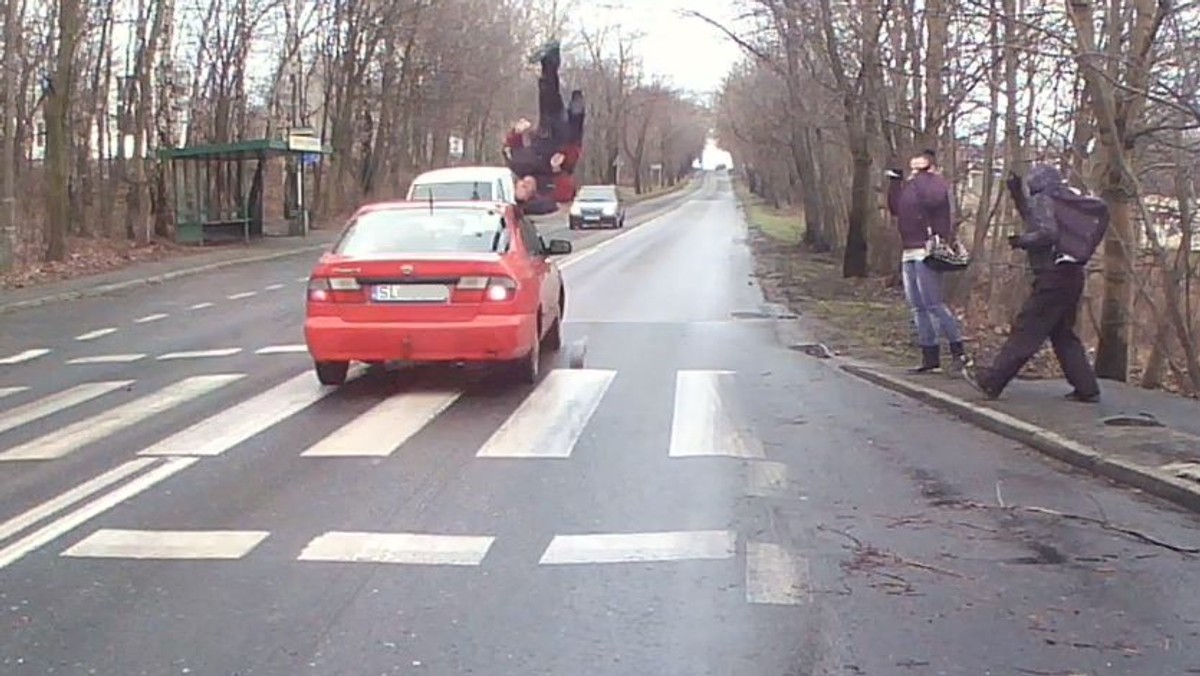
[412, 288]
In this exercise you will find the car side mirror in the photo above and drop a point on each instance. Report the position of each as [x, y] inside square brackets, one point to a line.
[558, 247]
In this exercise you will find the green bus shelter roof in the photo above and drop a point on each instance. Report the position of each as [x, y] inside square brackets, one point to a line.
[243, 150]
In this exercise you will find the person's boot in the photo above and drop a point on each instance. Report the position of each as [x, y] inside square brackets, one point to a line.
[958, 357]
[931, 360]
[972, 375]
[576, 107]
[549, 55]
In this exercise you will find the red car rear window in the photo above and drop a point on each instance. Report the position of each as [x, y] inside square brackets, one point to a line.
[418, 231]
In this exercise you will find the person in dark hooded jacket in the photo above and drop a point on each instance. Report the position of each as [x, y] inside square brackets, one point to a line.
[921, 205]
[549, 152]
[1062, 230]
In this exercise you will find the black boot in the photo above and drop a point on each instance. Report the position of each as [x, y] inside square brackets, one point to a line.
[576, 107]
[931, 360]
[958, 357]
[549, 55]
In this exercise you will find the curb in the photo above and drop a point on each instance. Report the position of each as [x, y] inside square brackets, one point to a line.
[1148, 479]
[105, 289]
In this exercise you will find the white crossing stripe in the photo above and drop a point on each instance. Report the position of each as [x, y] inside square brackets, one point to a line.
[115, 543]
[60, 502]
[302, 280]
[77, 435]
[5, 391]
[244, 294]
[200, 306]
[775, 576]
[551, 419]
[283, 349]
[385, 427]
[151, 318]
[705, 422]
[273, 287]
[408, 548]
[200, 354]
[108, 359]
[98, 333]
[232, 426]
[27, 355]
[59, 527]
[56, 402]
[766, 479]
[634, 547]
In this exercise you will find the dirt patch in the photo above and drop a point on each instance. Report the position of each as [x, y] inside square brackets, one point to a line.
[94, 256]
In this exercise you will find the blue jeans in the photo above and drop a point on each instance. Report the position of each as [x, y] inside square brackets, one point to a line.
[923, 289]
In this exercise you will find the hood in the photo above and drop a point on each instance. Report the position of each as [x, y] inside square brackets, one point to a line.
[1043, 178]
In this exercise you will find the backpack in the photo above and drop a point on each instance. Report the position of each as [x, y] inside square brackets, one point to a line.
[1082, 223]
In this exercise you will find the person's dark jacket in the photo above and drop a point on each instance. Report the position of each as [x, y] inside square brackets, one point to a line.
[921, 206]
[1057, 220]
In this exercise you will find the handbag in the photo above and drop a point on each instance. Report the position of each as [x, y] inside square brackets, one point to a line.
[946, 257]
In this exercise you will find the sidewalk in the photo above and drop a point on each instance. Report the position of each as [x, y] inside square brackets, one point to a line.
[1111, 438]
[155, 272]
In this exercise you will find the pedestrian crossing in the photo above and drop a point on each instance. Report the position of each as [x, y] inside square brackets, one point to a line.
[546, 425]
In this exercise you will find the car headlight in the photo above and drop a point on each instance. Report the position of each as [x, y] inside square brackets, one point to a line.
[610, 210]
[575, 210]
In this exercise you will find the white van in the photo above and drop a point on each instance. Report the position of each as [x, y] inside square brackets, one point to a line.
[487, 184]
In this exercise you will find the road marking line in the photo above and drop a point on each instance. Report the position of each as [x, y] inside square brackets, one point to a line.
[704, 423]
[108, 359]
[56, 402]
[200, 306]
[592, 250]
[273, 287]
[77, 435]
[283, 349]
[86, 489]
[634, 547]
[27, 355]
[302, 280]
[232, 426]
[551, 419]
[385, 427]
[766, 479]
[5, 391]
[58, 528]
[116, 543]
[244, 294]
[98, 333]
[775, 576]
[201, 354]
[151, 318]
[406, 548]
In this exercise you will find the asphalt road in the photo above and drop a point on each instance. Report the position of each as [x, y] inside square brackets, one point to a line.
[696, 500]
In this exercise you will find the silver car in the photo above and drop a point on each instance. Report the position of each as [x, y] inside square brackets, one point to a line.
[597, 206]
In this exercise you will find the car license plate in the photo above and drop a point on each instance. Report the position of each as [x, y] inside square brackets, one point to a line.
[411, 293]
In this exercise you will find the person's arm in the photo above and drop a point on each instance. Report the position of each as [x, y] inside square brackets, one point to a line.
[895, 187]
[1017, 192]
[1042, 230]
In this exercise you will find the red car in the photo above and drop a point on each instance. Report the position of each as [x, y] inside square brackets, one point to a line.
[454, 282]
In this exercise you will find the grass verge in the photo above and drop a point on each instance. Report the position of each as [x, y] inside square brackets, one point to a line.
[859, 317]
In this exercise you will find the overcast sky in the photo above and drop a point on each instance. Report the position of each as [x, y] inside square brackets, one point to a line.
[691, 53]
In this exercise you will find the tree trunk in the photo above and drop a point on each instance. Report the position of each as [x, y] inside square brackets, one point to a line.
[8, 155]
[58, 131]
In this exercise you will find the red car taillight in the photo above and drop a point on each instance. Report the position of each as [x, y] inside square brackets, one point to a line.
[334, 290]
[485, 289]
